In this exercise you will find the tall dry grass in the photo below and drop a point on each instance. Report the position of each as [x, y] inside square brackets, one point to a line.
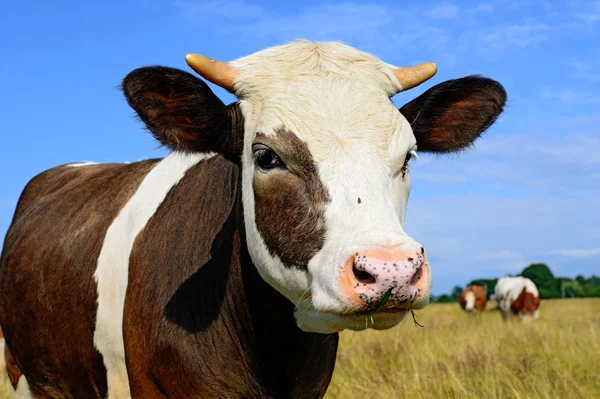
[457, 355]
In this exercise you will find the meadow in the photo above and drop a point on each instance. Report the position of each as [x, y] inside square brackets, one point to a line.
[457, 355]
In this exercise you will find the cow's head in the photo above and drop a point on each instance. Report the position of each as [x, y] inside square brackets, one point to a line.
[472, 295]
[325, 158]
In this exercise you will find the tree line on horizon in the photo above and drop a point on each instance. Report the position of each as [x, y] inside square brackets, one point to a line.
[548, 286]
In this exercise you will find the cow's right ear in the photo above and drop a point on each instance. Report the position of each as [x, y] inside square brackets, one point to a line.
[183, 113]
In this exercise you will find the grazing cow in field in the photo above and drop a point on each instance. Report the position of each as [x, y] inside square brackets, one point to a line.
[517, 296]
[473, 298]
[227, 268]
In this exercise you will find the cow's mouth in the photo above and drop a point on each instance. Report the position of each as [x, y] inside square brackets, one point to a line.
[380, 306]
[384, 305]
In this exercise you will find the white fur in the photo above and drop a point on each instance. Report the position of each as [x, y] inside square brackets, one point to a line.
[112, 270]
[337, 100]
[470, 300]
[80, 164]
[22, 391]
[508, 288]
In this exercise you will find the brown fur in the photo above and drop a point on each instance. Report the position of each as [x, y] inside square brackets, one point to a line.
[451, 115]
[198, 321]
[289, 203]
[213, 317]
[182, 112]
[480, 297]
[526, 303]
[48, 259]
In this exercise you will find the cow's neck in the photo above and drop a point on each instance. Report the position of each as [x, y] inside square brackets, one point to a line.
[288, 361]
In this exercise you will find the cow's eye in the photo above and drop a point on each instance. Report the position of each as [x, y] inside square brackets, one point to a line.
[404, 169]
[267, 159]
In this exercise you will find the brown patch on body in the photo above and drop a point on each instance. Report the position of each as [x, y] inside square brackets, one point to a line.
[199, 321]
[526, 303]
[48, 300]
[480, 297]
[289, 204]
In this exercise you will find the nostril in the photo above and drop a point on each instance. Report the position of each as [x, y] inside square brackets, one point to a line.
[362, 276]
[417, 276]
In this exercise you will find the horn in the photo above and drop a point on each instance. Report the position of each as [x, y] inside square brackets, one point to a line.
[413, 76]
[220, 73]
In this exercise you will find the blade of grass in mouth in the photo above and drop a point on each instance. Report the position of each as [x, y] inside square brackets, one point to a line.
[381, 304]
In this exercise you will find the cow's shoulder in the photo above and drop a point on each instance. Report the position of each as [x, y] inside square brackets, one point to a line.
[185, 276]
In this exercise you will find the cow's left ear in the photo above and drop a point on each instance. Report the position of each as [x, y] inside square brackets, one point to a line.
[183, 113]
[450, 116]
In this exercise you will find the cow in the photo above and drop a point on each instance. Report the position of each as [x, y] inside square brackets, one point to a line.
[227, 268]
[517, 296]
[473, 298]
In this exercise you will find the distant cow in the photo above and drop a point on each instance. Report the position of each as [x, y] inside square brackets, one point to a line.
[227, 268]
[473, 298]
[517, 296]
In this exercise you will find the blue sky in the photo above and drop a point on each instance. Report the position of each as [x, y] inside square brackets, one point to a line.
[528, 192]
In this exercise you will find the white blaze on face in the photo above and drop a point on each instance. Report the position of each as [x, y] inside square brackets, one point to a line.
[336, 99]
[470, 300]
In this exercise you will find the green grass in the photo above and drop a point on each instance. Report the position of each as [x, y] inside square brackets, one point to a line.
[457, 355]
[462, 356]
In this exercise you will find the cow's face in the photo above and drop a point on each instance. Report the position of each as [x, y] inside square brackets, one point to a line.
[325, 159]
[470, 301]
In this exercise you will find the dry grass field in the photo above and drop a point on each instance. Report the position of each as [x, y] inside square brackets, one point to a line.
[5, 388]
[456, 355]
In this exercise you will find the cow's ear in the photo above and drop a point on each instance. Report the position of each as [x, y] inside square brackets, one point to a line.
[182, 112]
[450, 116]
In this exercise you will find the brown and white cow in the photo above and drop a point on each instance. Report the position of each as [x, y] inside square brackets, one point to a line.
[227, 268]
[473, 298]
[517, 296]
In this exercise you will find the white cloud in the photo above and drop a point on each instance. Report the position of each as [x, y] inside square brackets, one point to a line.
[585, 70]
[577, 253]
[530, 164]
[492, 41]
[505, 254]
[382, 27]
[224, 9]
[586, 121]
[521, 35]
[483, 8]
[568, 95]
[369, 26]
[443, 11]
